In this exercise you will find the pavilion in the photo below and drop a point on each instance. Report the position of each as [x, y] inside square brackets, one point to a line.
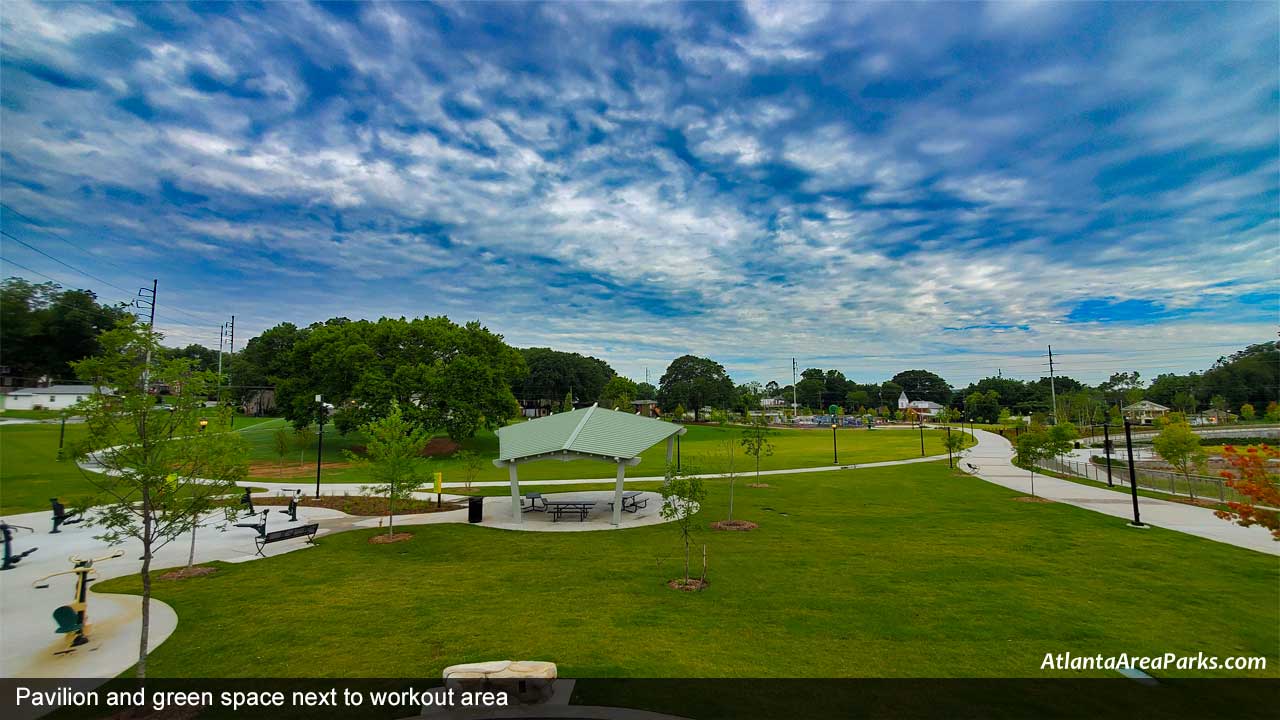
[592, 433]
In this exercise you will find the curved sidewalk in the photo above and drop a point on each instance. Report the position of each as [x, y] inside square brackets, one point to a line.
[993, 458]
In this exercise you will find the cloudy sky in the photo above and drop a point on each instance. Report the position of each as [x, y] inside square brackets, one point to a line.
[869, 187]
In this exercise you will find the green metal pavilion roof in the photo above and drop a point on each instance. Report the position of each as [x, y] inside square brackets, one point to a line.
[594, 431]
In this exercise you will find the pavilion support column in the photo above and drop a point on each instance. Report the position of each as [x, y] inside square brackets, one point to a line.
[671, 446]
[617, 494]
[516, 515]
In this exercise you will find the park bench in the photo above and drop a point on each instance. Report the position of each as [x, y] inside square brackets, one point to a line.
[558, 508]
[287, 534]
[632, 501]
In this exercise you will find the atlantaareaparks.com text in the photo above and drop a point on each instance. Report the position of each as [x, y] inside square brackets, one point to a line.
[1167, 661]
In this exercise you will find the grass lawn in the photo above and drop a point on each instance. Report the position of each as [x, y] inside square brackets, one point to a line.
[31, 414]
[30, 472]
[912, 571]
[700, 447]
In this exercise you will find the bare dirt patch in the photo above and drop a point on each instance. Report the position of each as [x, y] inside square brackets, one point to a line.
[381, 539]
[196, 571]
[757, 485]
[1031, 499]
[740, 525]
[440, 446]
[694, 584]
[361, 504]
[290, 471]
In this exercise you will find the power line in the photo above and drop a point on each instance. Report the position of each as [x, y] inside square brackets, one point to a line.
[60, 262]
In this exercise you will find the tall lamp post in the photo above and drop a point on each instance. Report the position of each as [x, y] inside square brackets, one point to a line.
[835, 452]
[1106, 449]
[1133, 476]
[921, 422]
[949, 448]
[320, 445]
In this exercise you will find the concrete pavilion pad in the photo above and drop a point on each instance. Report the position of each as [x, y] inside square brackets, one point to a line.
[497, 514]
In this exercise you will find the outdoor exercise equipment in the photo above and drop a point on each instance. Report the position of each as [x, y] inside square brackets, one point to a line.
[61, 516]
[247, 499]
[260, 527]
[73, 620]
[292, 511]
[9, 558]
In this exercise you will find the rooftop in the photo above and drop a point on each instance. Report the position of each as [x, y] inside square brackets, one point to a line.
[594, 431]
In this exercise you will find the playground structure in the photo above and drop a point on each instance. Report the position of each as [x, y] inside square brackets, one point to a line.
[11, 560]
[73, 620]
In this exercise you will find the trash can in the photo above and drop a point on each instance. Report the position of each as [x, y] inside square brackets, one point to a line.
[475, 509]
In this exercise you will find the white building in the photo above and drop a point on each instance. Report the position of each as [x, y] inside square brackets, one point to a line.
[923, 408]
[54, 397]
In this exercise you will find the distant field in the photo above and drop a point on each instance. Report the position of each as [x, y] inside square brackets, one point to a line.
[702, 447]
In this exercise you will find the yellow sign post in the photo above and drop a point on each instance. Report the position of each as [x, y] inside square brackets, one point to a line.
[439, 479]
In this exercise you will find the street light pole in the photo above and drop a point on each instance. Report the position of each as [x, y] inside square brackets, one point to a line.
[949, 448]
[835, 452]
[320, 445]
[1133, 475]
[1106, 448]
[921, 438]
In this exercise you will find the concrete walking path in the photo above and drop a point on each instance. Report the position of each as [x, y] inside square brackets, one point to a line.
[993, 459]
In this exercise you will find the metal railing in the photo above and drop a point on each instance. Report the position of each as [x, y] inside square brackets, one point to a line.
[1194, 486]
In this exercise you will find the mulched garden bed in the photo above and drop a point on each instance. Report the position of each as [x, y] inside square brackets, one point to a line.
[1031, 499]
[757, 485]
[381, 539]
[694, 584]
[196, 571]
[740, 525]
[362, 504]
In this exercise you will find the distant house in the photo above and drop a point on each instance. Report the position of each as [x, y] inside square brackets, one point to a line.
[773, 402]
[1144, 412]
[1213, 417]
[918, 408]
[259, 402]
[54, 397]
[645, 408]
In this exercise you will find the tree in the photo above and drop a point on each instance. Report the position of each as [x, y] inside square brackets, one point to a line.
[303, 436]
[1061, 438]
[923, 385]
[695, 382]
[729, 451]
[682, 496]
[392, 455]
[954, 443]
[552, 373]
[755, 441]
[678, 412]
[282, 442]
[1252, 479]
[983, 406]
[1247, 411]
[445, 377]
[1273, 412]
[1032, 449]
[646, 391]
[160, 474]
[618, 393]
[567, 405]
[1180, 447]
[43, 328]
[472, 464]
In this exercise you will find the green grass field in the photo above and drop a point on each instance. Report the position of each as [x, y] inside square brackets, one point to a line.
[912, 571]
[30, 472]
[701, 447]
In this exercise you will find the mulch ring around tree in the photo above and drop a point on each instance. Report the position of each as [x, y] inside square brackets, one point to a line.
[694, 584]
[1031, 499]
[381, 539]
[196, 571]
[741, 525]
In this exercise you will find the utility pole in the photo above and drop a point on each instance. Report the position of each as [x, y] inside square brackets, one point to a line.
[145, 300]
[1053, 392]
[232, 353]
[795, 406]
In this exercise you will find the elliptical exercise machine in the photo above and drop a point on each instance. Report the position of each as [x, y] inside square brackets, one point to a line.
[10, 560]
[73, 620]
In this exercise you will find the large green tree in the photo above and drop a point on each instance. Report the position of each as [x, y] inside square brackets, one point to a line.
[44, 328]
[618, 394]
[552, 374]
[923, 385]
[695, 382]
[454, 378]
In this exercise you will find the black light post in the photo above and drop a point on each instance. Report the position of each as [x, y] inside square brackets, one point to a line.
[1106, 448]
[63, 432]
[1133, 475]
[949, 448]
[320, 446]
[835, 452]
[922, 438]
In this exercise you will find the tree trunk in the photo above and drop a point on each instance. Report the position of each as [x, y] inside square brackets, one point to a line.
[391, 516]
[732, 481]
[704, 565]
[191, 557]
[686, 560]
[1033, 483]
[146, 583]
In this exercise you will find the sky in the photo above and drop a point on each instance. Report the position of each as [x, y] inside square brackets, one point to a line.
[865, 187]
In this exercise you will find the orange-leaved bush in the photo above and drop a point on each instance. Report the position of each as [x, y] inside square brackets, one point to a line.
[1251, 479]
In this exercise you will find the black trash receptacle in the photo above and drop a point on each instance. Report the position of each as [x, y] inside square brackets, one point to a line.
[475, 509]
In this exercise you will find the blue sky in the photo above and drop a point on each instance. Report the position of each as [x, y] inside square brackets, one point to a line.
[869, 187]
